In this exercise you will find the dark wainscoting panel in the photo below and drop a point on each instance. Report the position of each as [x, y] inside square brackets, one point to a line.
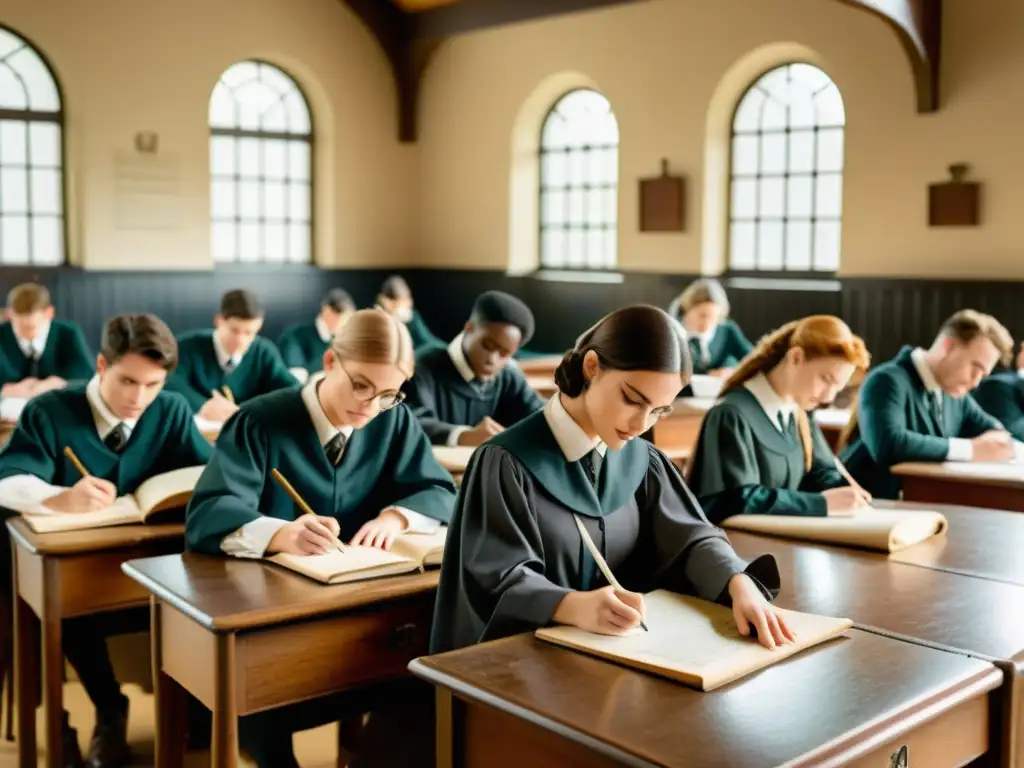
[886, 312]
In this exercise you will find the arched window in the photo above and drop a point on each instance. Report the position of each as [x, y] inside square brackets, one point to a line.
[260, 167]
[787, 173]
[31, 157]
[579, 183]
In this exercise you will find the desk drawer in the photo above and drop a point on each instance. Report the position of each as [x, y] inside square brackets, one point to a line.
[300, 661]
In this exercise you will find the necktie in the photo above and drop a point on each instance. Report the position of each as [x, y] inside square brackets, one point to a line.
[117, 438]
[784, 422]
[33, 364]
[696, 351]
[229, 366]
[592, 466]
[335, 449]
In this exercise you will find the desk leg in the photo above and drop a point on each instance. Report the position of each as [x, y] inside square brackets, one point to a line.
[53, 665]
[26, 680]
[171, 702]
[225, 711]
[446, 738]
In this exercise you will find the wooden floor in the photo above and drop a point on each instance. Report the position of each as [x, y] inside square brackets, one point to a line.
[314, 749]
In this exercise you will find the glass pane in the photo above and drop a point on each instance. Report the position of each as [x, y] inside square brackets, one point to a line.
[798, 245]
[248, 242]
[249, 200]
[576, 206]
[13, 190]
[222, 156]
[771, 197]
[42, 91]
[744, 154]
[554, 169]
[47, 240]
[44, 144]
[595, 249]
[830, 107]
[552, 209]
[299, 247]
[14, 240]
[554, 135]
[552, 248]
[769, 245]
[801, 112]
[298, 161]
[240, 72]
[12, 92]
[275, 246]
[222, 200]
[744, 199]
[748, 113]
[611, 205]
[773, 116]
[801, 152]
[275, 159]
[576, 166]
[275, 118]
[775, 82]
[609, 248]
[826, 245]
[298, 117]
[741, 245]
[275, 201]
[595, 206]
[46, 191]
[252, 100]
[222, 108]
[9, 42]
[611, 166]
[809, 76]
[575, 254]
[223, 241]
[830, 149]
[798, 196]
[773, 153]
[13, 142]
[249, 158]
[829, 195]
[298, 206]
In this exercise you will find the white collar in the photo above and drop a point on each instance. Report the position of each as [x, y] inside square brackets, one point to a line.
[769, 399]
[105, 419]
[458, 356]
[223, 358]
[1020, 373]
[568, 434]
[325, 430]
[708, 335]
[323, 330]
[925, 372]
[36, 346]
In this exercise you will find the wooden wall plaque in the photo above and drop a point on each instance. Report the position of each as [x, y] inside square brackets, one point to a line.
[954, 203]
[663, 202]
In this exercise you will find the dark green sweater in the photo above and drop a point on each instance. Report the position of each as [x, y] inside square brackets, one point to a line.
[423, 340]
[199, 373]
[1002, 397]
[164, 439]
[744, 465]
[443, 400]
[386, 463]
[895, 424]
[728, 346]
[301, 347]
[66, 355]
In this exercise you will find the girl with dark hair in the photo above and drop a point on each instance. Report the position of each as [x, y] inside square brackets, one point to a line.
[516, 558]
[759, 452]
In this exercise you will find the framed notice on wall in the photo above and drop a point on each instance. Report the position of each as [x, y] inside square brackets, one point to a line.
[663, 202]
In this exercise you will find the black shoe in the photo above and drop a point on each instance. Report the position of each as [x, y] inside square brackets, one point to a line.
[109, 747]
[71, 752]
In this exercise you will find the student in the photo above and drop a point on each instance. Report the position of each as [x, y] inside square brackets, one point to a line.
[350, 449]
[38, 353]
[515, 559]
[222, 368]
[1002, 397]
[716, 343]
[758, 451]
[302, 346]
[918, 407]
[395, 297]
[124, 428]
[467, 393]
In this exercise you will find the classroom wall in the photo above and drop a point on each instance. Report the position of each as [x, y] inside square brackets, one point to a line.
[662, 64]
[127, 66]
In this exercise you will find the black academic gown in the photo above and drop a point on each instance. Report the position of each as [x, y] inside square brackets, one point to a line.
[514, 551]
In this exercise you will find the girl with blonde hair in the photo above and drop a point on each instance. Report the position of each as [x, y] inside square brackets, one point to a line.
[759, 452]
[716, 343]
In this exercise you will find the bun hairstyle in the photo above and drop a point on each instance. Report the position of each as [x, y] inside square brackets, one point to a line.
[818, 336]
[635, 338]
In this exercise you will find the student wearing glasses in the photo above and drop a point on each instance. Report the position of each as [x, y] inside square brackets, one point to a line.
[354, 453]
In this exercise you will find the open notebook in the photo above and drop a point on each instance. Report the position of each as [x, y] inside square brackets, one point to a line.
[706, 387]
[695, 642]
[877, 528]
[410, 552]
[167, 491]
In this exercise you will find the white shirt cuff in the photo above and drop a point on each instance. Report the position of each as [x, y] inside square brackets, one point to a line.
[453, 436]
[417, 523]
[960, 449]
[252, 539]
[26, 494]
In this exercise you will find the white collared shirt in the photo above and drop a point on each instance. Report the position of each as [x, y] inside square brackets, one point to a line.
[458, 357]
[769, 400]
[705, 342]
[573, 441]
[253, 538]
[223, 358]
[322, 329]
[26, 493]
[960, 449]
[36, 346]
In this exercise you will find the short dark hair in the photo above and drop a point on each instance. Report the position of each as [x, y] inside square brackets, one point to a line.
[339, 300]
[636, 338]
[145, 335]
[504, 308]
[241, 304]
[395, 287]
[27, 298]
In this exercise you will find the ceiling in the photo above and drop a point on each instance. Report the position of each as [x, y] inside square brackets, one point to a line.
[421, 5]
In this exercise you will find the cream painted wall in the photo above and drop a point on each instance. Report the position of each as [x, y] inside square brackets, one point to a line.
[661, 62]
[127, 66]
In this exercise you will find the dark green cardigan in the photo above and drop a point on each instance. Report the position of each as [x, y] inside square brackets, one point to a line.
[66, 355]
[1002, 397]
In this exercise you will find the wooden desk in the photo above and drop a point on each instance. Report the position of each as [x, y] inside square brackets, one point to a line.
[832, 421]
[59, 576]
[851, 702]
[221, 626]
[681, 428]
[974, 617]
[544, 386]
[6, 430]
[540, 366]
[963, 484]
